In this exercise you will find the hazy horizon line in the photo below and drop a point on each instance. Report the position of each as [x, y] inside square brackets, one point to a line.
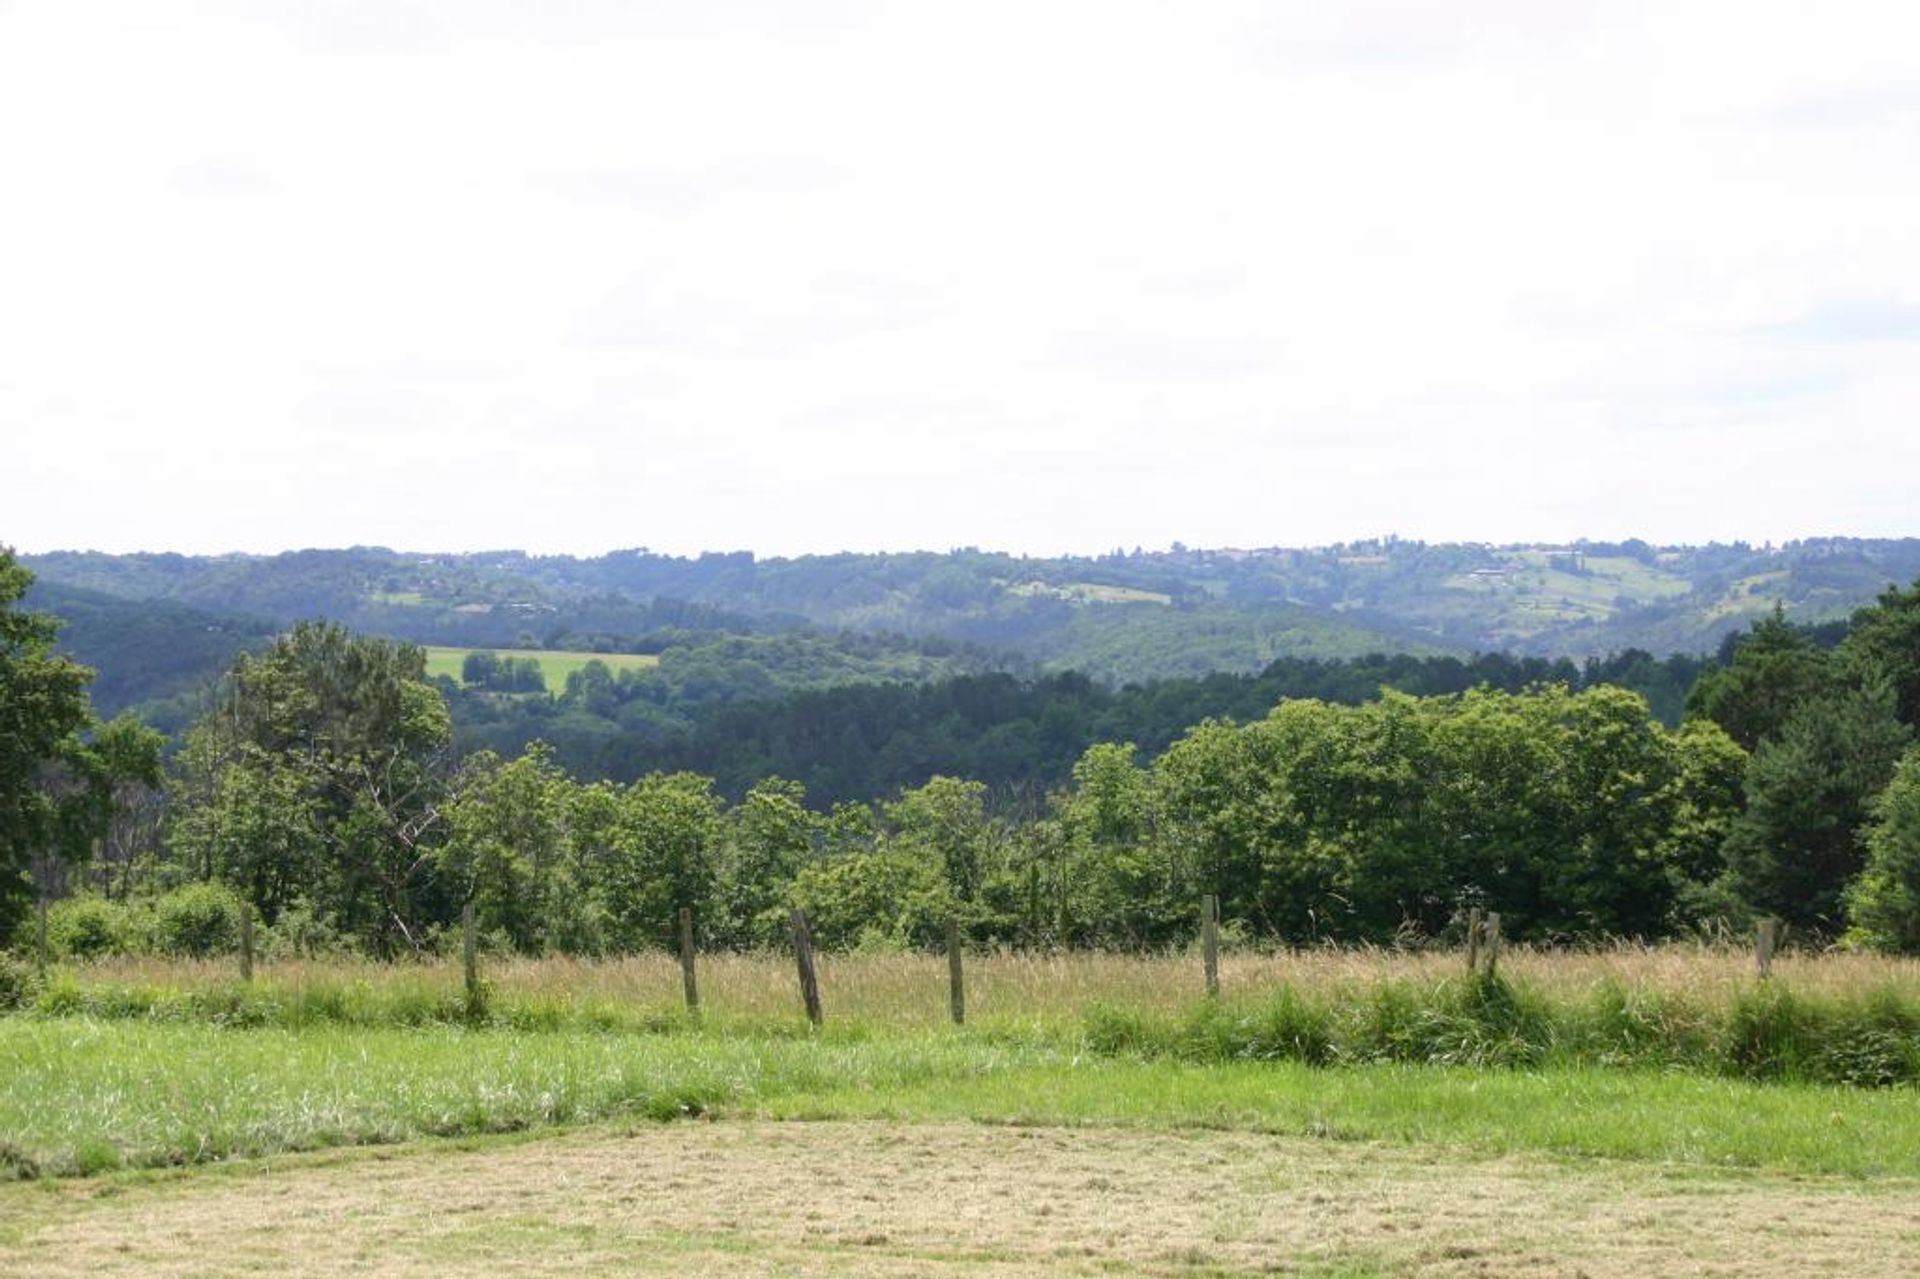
[1172, 548]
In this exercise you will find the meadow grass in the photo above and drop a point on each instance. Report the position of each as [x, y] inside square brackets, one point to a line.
[1663, 1005]
[555, 664]
[910, 989]
[86, 1096]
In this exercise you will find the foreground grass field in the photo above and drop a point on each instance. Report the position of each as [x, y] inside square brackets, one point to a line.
[86, 1096]
[1093, 1116]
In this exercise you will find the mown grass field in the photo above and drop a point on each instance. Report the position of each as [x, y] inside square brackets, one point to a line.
[887, 1198]
[1092, 1116]
[555, 664]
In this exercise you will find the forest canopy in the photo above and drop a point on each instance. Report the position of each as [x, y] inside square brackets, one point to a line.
[330, 785]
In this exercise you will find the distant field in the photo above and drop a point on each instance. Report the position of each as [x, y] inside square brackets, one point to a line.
[555, 664]
[1091, 593]
[1749, 594]
[1541, 595]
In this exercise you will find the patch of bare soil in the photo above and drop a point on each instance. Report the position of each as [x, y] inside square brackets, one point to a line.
[738, 1198]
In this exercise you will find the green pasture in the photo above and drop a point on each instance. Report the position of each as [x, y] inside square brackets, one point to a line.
[1091, 593]
[555, 664]
[1543, 595]
[86, 1096]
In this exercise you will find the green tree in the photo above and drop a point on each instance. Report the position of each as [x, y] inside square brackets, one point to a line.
[770, 837]
[659, 857]
[1568, 812]
[1776, 668]
[1794, 849]
[334, 750]
[1884, 639]
[945, 822]
[481, 669]
[507, 846]
[56, 790]
[1122, 886]
[886, 897]
[1883, 904]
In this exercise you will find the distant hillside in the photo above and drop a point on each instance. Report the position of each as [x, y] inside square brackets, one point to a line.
[1120, 621]
[144, 650]
[1124, 615]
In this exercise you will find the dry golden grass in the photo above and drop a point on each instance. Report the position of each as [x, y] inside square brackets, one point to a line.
[910, 990]
[910, 1199]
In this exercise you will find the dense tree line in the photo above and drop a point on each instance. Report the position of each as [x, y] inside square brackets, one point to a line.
[325, 787]
[1019, 735]
[62, 772]
[1827, 728]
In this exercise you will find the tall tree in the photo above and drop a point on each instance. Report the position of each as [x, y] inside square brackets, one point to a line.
[1883, 906]
[507, 847]
[1794, 849]
[43, 707]
[321, 773]
[1884, 638]
[770, 837]
[1774, 670]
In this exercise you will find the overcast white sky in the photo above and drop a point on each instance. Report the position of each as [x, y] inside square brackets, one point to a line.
[1030, 276]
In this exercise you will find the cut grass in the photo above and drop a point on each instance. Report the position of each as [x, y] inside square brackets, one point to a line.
[555, 664]
[879, 1198]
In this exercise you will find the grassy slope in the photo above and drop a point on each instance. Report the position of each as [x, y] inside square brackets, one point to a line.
[556, 665]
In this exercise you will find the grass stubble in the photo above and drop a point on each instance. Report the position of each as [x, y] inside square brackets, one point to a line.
[869, 1198]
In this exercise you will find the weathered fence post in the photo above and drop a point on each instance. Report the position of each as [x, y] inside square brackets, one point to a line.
[956, 977]
[246, 941]
[470, 957]
[1210, 942]
[1766, 937]
[1475, 925]
[1493, 941]
[687, 981]
[803, 956]
[40, 933]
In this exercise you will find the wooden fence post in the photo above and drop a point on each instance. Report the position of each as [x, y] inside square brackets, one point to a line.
[1210, 942]
[1475, 924]
[40, 933]
[803, 955]
[956, 977]
[1766, 936]
[687, 981]
[246, 941]
[470, 957]
[1493, 941]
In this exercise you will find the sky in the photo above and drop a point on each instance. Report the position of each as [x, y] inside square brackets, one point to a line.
[1042, 277]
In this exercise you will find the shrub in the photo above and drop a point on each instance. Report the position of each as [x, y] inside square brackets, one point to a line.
[18, 982]
[87, 927]
[301, 933]
[197, 921]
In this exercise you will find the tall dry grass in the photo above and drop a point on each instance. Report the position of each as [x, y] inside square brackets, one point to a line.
[1003, 989]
